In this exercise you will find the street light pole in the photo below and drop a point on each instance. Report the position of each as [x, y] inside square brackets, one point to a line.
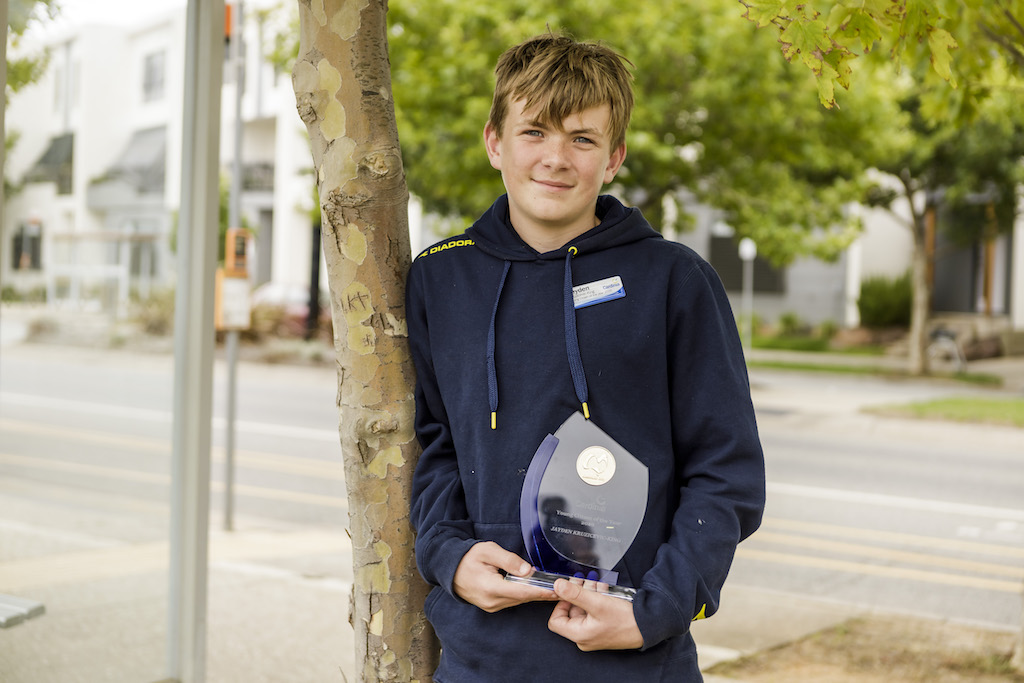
[748, 252]
[234, 221]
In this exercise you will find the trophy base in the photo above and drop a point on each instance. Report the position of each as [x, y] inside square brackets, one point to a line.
[547, 580]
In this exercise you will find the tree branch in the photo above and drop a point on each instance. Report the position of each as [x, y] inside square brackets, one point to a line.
[1009, 46]
[1012, 19]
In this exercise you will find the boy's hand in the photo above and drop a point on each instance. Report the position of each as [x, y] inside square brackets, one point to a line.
[479, 581]
[593, 621]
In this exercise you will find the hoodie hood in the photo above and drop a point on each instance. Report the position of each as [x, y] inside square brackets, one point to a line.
[494, 235]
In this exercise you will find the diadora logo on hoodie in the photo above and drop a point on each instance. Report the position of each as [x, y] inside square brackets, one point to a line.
[462, 242]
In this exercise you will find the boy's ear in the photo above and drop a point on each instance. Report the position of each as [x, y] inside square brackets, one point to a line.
[492, 143]
[618, 156]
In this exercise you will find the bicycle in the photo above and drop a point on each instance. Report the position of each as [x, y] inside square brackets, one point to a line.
[944, 346]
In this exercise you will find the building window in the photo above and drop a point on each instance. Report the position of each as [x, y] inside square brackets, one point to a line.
[726, 260]
[153, 77]
[27, 247]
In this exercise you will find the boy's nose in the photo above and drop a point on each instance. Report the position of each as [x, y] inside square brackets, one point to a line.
[556, 154]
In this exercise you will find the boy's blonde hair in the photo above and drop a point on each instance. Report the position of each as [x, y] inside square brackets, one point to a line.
[561, 77]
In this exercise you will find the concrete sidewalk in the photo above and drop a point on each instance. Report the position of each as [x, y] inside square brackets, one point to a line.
[277, 612]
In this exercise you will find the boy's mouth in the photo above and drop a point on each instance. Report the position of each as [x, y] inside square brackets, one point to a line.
[553, 184]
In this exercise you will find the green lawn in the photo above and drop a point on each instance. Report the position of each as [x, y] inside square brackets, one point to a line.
[1000, 411]
[979, 378]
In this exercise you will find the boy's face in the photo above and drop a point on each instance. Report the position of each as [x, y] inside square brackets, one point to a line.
[553, 175]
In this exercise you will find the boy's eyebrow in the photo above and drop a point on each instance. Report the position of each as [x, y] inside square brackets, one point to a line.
[537, 123]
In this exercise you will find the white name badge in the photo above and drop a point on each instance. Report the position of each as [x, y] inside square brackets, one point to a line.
[598, 292]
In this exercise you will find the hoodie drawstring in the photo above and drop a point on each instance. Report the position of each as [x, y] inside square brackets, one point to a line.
[572, 344]
[492, 375]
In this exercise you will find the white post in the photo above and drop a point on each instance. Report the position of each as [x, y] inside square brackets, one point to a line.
[748, 252]
[193, 342]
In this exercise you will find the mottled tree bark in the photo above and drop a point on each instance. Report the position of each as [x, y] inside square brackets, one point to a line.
[343, 93]
[917, 340]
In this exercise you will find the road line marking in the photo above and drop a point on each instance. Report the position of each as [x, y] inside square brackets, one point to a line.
[320, 469]
[878, 570]
[894, 537]
[83, 468]
[820, 544]
[165, 416]
[165, 480]
[884, 500]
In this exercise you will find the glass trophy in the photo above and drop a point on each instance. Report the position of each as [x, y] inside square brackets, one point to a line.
[583, 501]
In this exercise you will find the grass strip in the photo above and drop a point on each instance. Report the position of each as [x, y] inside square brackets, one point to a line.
[996, 411]
[977, 378]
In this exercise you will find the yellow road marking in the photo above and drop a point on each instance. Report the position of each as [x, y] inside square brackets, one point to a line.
[821, 544]
[310, 467]
[878, 570]
[165, 479]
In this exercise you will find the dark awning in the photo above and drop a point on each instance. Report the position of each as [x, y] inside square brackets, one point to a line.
[142, 163]
[55, 166]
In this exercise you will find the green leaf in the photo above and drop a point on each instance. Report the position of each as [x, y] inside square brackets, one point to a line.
[864, 27]
[764, 12]
[807, 39]
[826, 92]
[941, 42]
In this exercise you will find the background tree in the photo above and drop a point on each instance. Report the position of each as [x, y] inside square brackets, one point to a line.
[720, 117]
[343, 94]
[23, 69]
[966, 173]
[951, 40]
[977, 47]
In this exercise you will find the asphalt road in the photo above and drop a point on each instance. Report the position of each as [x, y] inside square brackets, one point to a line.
[899, 515]
[867, 511]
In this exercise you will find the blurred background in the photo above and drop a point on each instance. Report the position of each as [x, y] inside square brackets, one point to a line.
[729, 145]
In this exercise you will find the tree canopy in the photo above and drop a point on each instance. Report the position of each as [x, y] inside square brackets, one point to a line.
[719, 114]
[956, 41]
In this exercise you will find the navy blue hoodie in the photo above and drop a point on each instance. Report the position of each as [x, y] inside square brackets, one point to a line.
[494, 334]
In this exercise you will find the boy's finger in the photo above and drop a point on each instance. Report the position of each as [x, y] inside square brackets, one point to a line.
[573, 592]
[498, 557]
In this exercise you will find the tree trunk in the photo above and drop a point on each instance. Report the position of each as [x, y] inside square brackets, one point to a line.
[917, 342]
[342, 86]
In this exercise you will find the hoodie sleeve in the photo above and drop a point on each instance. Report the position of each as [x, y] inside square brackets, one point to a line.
[438, 513]
[719, 461]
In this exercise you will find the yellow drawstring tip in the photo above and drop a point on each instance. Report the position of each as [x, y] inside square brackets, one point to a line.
[494, 420]
[586, 411]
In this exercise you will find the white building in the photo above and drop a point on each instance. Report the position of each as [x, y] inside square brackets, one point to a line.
[98, 161]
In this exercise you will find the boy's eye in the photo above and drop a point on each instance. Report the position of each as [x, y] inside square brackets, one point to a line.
[585, 141]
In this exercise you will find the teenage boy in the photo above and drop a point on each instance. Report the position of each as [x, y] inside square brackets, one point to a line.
[504, 355]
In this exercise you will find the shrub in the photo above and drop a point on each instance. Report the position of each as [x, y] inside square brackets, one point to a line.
[155, 313]
[790, 325]
[885, 302]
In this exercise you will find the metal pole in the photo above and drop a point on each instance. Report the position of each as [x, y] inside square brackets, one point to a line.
[3, 136]
[234, 221]
[748, 252]
[193, 343]
[748, 302]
